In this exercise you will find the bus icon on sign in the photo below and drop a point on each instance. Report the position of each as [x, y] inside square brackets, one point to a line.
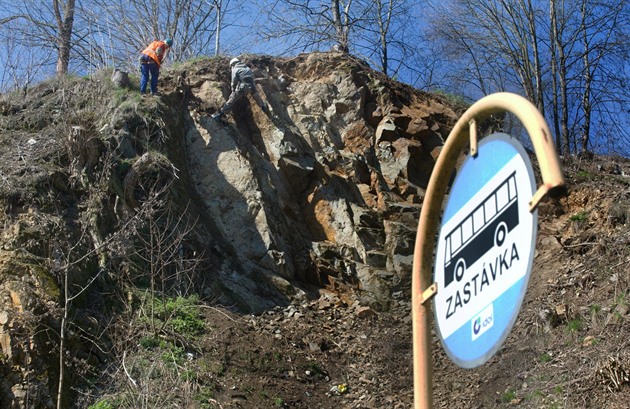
[486, 226]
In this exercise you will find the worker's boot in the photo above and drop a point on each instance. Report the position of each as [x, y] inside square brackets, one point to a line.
[268, 110]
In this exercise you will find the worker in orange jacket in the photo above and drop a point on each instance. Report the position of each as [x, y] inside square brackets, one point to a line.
[150, 62]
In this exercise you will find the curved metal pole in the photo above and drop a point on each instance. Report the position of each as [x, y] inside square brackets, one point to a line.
[422, 288]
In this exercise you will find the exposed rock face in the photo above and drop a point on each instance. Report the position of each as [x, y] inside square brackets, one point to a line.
[327, 189]
[325, 192]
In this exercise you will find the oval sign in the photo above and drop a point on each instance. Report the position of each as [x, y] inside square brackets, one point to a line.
[485, 250]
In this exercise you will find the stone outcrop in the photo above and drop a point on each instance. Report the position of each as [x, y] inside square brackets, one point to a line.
[328, 188]
[255, 213]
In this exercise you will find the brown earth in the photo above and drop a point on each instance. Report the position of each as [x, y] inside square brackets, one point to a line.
[567, 349]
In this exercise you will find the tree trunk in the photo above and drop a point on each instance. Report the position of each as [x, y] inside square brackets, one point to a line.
[538, 82]
[553, 32]
[588, 80]
[65, 22]
[341, 31]
[383, 25]
[217, 39]
[562, 78]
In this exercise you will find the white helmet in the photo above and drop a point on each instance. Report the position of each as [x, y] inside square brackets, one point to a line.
[234, 61]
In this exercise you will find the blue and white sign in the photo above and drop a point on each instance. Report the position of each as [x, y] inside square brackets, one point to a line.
[485, 250]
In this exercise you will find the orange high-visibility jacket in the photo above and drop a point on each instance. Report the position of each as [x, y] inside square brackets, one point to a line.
[153, 51]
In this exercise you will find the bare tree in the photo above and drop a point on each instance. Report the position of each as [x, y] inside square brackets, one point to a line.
[313, 24]
[65, 264]
[388, 34]
[603, 29]
[21, 64]
[384, 14]
[496, 36]
[382, 32]
[153, 236]
[558, 75]
[218, 6]
[45, 26]
[587, 51]
[132, 24]
[507, 45]
[223, 10]
[160, 238]
[341, 22]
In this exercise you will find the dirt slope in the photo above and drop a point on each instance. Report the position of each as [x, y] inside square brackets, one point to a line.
[568, 348]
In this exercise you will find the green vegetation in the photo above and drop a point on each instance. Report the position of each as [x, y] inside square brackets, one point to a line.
[104, 404]
[149, 342]
[621, 298]
[456, 100]
[204, 397]
[508, 396]
[167, 329]
[184, 315]
[166, 317]
[218, 369]
[189, 375]
[124, 95]
[46, 281]
[578, 217]
[127, 101]
[316, 370]
[172, 354]
[594, 309]
[575, 325]
[545, 358]
[180, 315]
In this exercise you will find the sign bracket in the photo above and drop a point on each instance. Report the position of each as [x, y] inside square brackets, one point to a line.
[538, 196]
[473, 137]
[429, 293]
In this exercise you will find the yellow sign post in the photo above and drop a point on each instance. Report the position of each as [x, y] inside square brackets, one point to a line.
[465, 131]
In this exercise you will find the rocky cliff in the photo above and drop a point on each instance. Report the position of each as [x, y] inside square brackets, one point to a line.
[105, 192]
[325, 190]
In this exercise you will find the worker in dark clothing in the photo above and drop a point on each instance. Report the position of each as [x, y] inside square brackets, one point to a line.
[242, 84]
[150, 61]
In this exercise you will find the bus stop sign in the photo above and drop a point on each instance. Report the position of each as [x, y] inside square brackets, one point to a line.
[485, 250]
